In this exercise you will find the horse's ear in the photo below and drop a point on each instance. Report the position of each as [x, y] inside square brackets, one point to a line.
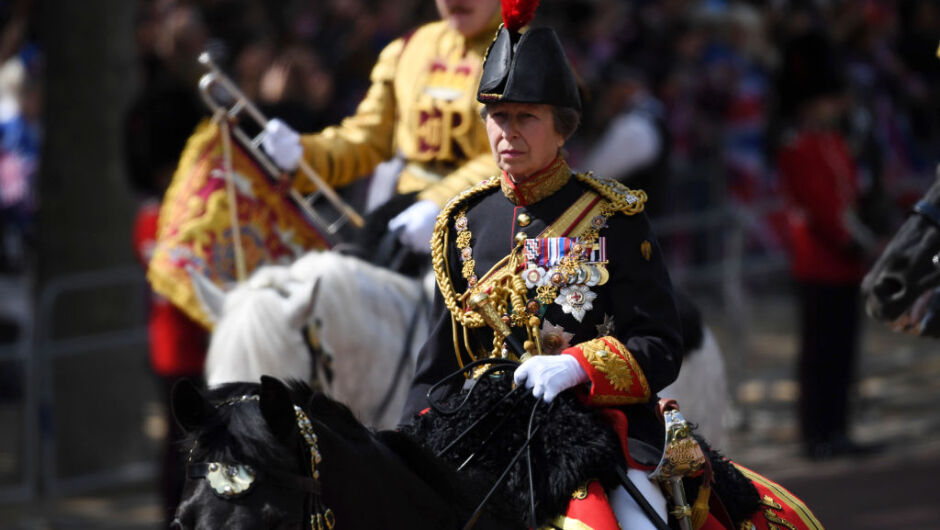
[277, 409]
[190, 407]
[210, 295]
[302, 303]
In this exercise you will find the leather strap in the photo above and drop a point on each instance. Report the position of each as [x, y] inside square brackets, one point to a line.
[278, 478]
[928, 210]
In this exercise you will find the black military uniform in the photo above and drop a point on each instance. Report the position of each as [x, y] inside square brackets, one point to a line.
[634, 306]
[566, 261]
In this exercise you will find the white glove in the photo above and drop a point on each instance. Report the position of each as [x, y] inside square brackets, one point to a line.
[417, 223]
[282, 144]
[550, 375]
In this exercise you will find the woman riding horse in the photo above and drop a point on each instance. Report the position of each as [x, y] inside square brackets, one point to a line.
[565, 262]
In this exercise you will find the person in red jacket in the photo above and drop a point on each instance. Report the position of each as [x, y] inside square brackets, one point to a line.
[177, 350]
[828, 247]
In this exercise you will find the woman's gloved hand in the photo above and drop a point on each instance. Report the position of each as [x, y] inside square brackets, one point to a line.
[550, 375]
[417, 224]
[282, 144]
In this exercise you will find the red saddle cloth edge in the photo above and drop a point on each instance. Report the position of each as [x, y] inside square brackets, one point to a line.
[779, 508]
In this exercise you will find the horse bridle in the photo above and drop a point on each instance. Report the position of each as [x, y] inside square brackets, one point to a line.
[929, 211]
[320, 359]
[230, 481]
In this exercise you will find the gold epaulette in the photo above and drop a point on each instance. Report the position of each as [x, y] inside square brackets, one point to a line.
[622, 198]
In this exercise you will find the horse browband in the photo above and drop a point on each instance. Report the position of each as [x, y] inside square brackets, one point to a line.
[321, 518]
[928, 210]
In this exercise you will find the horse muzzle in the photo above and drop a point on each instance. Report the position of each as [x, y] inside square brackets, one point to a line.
[887, 295]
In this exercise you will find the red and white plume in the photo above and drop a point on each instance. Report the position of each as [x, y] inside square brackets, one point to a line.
[518, 13]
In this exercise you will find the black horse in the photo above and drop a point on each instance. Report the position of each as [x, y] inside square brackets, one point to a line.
[286, 457]
[900, 286]
[250, 466]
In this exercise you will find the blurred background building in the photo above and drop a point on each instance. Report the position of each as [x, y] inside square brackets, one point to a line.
[98, 97]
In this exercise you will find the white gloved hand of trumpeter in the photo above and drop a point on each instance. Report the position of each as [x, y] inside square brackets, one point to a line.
[417, 224]
[549, 375]
[282, 144]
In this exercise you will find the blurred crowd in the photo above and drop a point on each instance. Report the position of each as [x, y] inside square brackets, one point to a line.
[20, 125]
[712, 67]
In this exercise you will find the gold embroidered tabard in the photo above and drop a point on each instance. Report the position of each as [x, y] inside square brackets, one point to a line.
[421, 105]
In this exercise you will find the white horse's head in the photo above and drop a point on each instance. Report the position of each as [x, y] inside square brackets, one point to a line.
[370, 319]
[259, 326]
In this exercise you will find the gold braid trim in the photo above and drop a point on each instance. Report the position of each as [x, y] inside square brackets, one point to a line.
[796, 505]
[622, 199]
[775, 519]
[439, 252]
[611, 358]
[567, 523]
[618, 373]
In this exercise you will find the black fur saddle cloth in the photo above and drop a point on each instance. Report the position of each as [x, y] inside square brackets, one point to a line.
[572, 443]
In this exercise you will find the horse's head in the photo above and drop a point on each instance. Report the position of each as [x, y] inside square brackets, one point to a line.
[262, 326]
[249, 464]
[897, 285]
[270, 456]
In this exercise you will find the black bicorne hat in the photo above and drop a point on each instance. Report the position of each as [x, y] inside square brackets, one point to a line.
[528, 68]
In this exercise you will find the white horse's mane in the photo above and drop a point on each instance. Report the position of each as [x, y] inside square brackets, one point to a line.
[255, 337]
[364, 313]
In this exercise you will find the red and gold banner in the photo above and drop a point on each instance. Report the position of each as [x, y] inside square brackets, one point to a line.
[195, 228]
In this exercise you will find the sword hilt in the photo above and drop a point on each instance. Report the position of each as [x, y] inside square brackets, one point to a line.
[480, 303]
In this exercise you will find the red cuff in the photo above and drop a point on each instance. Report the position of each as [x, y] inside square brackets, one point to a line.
[616, 377]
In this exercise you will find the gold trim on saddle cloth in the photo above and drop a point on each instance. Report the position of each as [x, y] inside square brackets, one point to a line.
[799, 508]
[567, 523]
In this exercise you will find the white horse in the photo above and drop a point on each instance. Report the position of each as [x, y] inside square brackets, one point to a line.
[371, 322]
[702, 390]
[367, 322]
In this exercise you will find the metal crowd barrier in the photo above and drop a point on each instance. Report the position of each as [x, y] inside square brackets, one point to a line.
[38, 351]
[19, 353]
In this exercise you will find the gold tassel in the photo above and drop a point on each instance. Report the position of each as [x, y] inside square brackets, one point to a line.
[700, 508]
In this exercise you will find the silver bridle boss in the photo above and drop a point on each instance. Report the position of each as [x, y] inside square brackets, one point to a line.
[230, 481]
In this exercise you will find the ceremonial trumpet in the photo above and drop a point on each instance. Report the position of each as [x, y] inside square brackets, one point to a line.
[215, 83]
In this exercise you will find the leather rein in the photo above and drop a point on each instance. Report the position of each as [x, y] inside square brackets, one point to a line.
[512, 398]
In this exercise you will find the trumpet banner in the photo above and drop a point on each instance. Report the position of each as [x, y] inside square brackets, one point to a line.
[195, 230]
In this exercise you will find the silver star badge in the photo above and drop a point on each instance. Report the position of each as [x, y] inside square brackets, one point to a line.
[576, 300]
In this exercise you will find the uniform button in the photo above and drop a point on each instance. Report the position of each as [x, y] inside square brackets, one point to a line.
[523, 219]
[521, 237]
